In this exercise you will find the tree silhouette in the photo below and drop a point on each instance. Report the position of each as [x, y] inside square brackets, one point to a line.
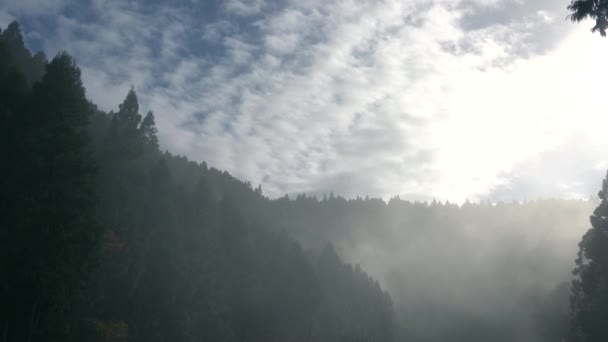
[49, 231]
[589, 297]
[592, 9]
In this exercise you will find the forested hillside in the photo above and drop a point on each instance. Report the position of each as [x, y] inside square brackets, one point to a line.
[474, 272]
[106, 237]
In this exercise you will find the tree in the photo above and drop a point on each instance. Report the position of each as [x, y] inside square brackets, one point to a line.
[129, 110]
[592, 9]
[589, 292]
[128, 135]
[13, 35]
[31, 66]
[50, 236]
[189, 253]
[148, 131]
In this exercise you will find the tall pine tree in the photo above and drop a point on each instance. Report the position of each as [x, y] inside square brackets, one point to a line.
[589, 297]
[50, 238]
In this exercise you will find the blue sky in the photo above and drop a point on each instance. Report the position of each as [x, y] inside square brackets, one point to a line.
[477, 99]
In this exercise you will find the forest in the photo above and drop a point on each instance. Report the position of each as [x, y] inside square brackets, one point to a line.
[106, 237]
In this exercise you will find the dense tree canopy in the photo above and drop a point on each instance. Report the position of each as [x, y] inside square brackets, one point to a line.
[102, 240]
[50, 234]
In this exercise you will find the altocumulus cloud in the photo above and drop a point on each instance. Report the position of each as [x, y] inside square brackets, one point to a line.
[426, 99]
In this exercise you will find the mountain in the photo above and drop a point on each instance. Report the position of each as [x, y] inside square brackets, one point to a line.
[175, 253]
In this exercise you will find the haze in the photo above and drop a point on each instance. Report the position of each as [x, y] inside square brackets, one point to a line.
[278, 170]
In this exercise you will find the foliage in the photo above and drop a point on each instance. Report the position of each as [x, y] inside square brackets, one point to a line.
[593, 9]
[50, 236]
[589, 300]
[105, 238]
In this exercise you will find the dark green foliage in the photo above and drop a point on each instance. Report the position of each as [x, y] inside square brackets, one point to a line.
[353, 307]
[32, 67]
[49, 234]
[593, 9]
[148, 131]
[182, 262]
[589, 300]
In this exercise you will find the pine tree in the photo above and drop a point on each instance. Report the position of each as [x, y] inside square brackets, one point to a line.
[32, 67]
[148, 131]
[13, 35]
[14, 95]
[124, 138]
[129, 110]
[50, 240]
[589, 297]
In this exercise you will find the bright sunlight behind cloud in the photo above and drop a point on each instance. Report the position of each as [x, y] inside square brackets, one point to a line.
[450, 99]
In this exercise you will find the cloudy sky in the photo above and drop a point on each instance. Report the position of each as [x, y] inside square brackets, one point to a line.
[446, 99]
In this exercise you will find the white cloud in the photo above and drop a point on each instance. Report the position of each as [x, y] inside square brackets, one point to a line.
[33, 7]
[244, 7]
[355, 97]
[544, 16]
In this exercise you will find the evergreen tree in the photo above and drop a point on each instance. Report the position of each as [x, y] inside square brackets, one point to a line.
[593, 9]
[589, 298]
[148, 131]
[128, 112]
[32, 67]
[189, 252]
[12, 34]
[51, 237]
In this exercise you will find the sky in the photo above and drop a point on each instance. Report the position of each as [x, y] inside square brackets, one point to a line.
[424, 99]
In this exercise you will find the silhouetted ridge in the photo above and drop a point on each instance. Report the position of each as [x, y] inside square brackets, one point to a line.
[104, 237]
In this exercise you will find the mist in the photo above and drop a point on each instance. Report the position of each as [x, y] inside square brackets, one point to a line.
[253, 171]
[471, 272]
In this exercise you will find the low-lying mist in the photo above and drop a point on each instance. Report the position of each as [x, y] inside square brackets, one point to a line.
[497, 272]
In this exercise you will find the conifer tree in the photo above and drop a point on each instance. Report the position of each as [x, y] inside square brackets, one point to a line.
[50, 240]
[32, 67]
[589, 297]
[128, 111]
[148, 131]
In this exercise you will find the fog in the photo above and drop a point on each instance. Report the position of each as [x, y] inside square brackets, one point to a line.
[145, 164]
[470, 272]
